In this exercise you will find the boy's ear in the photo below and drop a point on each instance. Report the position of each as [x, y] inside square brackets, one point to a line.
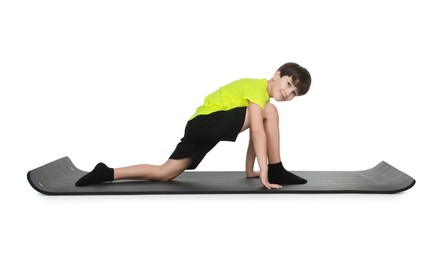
[276, 75]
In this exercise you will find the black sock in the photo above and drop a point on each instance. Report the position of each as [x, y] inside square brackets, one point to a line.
[279, 175]
[101, 173]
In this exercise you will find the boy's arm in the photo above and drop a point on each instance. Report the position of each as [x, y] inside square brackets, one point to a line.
[259, 140]
[250, 159]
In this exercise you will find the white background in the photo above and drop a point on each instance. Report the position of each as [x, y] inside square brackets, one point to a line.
[115, 81]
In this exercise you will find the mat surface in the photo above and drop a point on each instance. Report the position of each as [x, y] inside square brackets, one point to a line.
[59, 177]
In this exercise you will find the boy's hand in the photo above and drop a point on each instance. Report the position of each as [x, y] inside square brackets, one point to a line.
[264, 181]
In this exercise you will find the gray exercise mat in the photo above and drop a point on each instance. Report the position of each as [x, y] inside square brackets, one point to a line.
[59, 177]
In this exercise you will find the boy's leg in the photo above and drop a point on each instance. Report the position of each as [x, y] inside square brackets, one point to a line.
[165, 172]
[276, 172]
[272, 130]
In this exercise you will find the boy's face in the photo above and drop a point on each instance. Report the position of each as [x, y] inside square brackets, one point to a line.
[283, 88]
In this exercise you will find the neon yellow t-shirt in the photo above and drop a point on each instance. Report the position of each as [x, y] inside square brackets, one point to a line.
[235, 94]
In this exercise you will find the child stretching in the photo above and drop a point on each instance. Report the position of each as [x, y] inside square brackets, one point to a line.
[240, 105]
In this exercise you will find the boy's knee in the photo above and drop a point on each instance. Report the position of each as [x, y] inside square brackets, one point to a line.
[170, 170]
[166, 175]
[270, 110]
[166, 178]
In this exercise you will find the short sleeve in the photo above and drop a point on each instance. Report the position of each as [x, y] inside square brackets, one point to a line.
[256, 94]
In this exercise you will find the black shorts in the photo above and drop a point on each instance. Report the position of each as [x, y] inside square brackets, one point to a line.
[204, 131]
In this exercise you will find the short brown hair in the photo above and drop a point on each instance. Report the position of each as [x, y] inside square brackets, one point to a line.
[297, 73]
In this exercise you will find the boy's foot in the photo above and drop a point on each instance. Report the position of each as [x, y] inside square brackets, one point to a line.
[278, 174]
[101, 173]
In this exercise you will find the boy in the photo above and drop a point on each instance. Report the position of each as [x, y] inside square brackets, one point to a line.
[240, 105]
